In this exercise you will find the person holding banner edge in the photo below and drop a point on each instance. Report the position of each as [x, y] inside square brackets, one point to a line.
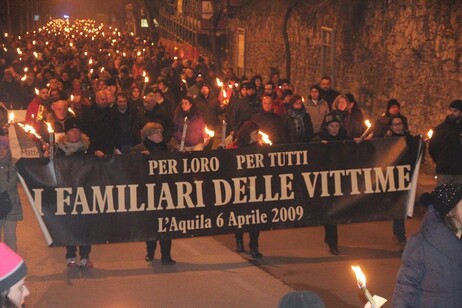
[247, 136]
[153, 141]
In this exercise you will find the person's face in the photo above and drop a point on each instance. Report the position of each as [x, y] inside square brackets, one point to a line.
[8, 75]
[333, 128]
[454, 114]
[17, 293]
[60, 110]
[101, 100]
[74, 135]
[258, 82]
[394, 110]
[54, 94]
[156, 137]
[267, 104]
[298, 104]
[136, 92]
[159, 97]
[284, 86]
[456, 215]
[53, 84]
[4, 151]
[325, 84]
[314, 93]
[250, 92]
[76, 84]
[275, 79]
[205, 91]
[254, 136]
[268, 89]
[43, 94]
[397, 126]
[342, 104]
[64, 76]
[122, 103]
[185, 105]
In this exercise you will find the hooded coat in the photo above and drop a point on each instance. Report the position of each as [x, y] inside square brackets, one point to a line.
[431, 273]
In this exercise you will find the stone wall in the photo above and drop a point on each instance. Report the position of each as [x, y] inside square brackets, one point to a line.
[410, 50]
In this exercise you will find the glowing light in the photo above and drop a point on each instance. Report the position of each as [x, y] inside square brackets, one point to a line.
[265, 138]
[209, 132]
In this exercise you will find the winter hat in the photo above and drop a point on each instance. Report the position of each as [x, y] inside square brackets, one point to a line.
[332, 117]
[392, 102]
[4, 141]
[444, 197]
[457, 104]
[72, 123]
[12, 268]
[301, 299]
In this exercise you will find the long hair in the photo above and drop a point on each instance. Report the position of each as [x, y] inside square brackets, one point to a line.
[243, 135]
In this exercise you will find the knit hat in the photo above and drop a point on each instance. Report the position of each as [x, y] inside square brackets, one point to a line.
[443, 198]
[457, 104]
[4, 141]
[72, 123]
[301, 299]
[392, 102]
[12, 268]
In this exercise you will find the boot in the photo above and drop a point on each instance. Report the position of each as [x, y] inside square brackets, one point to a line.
[255, 253]
[239, 245]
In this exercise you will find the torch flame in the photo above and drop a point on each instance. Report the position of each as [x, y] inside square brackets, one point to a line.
[71, 111]
[90, 61]
[29, 129]
[146, 79]
[265, 138]
[36, 91]
[360, 277]
[209, 132]
[49, 128]
[368, 123]
[219, 82]
[430, 134]
[224, 93]
[24, 77]
[35, 54]
[11, 117]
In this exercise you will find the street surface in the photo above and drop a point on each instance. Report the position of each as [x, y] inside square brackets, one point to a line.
[209, 273]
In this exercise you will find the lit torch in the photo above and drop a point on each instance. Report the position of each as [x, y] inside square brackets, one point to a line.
[429, 135]
[375, 301]
[51, 132]
[265, 138]
[366, 132]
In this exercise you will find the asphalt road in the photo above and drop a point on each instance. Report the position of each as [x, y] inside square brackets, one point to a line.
[209, 273]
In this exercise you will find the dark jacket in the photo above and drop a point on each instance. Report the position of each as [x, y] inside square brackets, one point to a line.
[243, 110]
[9, 181]
[431, 273]
[445, 148]
[103, 128]
[271, 124]
[289, 124]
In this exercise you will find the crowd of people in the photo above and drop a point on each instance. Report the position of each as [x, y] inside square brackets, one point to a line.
[102, 91]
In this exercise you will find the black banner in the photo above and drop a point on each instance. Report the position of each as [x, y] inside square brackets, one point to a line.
[135, 197]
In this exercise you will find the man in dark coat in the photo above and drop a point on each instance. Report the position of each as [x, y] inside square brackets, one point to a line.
[445, 146]
[327, 93]
[103, 127]
[269, 122]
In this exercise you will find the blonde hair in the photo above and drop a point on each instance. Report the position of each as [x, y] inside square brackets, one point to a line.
[151, 128]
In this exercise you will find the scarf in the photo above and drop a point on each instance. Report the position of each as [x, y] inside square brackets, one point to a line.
[72, 147]
[298, 115]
